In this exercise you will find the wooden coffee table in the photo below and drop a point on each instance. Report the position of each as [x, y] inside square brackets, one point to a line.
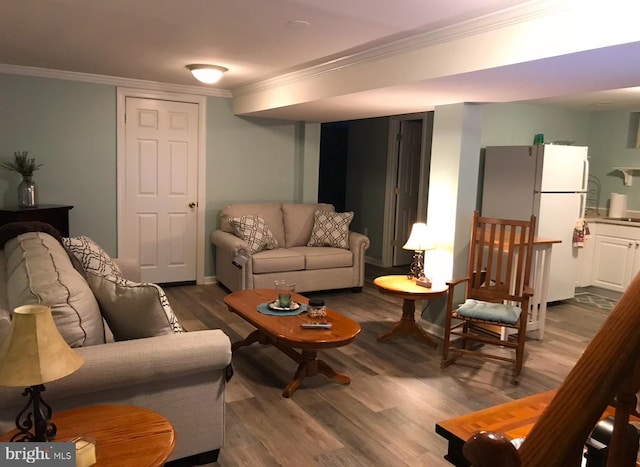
[122, 433]
[400, 286]
[285, 333]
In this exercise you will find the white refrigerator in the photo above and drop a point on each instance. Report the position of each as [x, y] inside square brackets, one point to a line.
[549, 181]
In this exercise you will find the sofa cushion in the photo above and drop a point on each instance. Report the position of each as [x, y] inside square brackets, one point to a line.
[254, 231]
[133, 310]
[92, 257]
[270, 212]
[278, 260]
[331, 229]
[325, 257]
[39, 271]
[298, 221]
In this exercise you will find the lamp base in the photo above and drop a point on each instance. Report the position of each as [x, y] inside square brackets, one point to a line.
[39, 418]
[417, 266]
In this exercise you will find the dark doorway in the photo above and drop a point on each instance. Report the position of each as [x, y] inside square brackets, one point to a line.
[332, 181]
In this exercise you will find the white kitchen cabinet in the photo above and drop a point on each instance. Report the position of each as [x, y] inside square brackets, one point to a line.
[616, 256]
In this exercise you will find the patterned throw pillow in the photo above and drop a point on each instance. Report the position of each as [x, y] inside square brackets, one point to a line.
[93, 258]
[331, 229]
[254, 231]
[133, 310]
[130, 308]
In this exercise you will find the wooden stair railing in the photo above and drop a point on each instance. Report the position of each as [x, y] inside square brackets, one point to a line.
[608, 368]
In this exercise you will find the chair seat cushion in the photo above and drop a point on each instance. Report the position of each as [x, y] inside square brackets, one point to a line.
[497, 312]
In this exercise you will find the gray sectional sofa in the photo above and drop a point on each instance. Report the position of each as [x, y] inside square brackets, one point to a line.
[179, 375]
[311, 268]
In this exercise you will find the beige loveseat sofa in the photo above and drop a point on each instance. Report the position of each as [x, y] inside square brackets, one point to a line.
[181, 375]
[311, 268]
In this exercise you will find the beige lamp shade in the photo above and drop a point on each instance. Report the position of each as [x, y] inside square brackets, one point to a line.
[35, 352]
[420, 238]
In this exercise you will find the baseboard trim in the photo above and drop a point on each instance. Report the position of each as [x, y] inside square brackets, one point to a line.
[208, 280]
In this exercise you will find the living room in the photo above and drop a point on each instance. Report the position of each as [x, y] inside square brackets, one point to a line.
[70, 123]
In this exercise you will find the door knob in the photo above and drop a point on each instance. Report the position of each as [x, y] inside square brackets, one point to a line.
[192, 204]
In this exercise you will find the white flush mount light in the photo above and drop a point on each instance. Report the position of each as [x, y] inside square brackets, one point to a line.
[208, 74]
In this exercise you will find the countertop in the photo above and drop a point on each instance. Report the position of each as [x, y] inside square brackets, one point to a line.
[633, 222]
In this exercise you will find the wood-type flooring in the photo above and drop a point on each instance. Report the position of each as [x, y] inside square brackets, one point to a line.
[386, 416]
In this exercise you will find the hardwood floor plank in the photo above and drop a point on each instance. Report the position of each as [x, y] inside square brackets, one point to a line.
[387, 415]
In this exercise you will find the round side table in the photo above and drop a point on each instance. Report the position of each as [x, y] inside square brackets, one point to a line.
[125, 435]
[400, 286]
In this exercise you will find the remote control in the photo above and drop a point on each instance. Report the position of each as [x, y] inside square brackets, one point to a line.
[323, 325]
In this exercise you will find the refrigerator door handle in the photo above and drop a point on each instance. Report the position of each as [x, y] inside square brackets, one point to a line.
[585, 174]
[583, 204]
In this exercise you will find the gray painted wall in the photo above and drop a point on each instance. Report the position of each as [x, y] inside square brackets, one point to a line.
[608, 136]
[71, 127]
[606, 132]
[517, 124]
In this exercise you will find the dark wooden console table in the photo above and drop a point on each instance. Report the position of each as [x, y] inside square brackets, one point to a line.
[54, 214]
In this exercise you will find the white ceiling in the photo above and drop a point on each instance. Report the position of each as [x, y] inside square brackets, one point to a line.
[355, 59]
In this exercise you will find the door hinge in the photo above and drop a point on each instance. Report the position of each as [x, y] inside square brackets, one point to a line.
[394, 243]
[396, 191]
[399, 137]
[125, 118]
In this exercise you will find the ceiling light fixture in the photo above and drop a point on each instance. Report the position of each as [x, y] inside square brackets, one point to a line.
[208, 74]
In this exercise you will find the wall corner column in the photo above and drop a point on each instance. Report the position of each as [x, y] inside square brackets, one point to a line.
[453, 189]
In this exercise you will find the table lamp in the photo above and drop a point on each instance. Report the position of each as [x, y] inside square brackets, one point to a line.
[419, 241]
[35, 353]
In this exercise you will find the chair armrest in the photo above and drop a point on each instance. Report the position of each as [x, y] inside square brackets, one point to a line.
[130, 268]
[228, 241]
[454, 282]
[528, 291]
[138, 362]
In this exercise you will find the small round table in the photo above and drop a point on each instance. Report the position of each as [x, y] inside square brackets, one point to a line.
[125, 435]
[401, 287]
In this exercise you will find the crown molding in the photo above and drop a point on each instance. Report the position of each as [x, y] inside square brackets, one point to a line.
[112, 80]
[515, 15]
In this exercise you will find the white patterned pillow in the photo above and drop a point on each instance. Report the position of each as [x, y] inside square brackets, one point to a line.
[331, 229]
[254, 231]
[132, 310]
[92, 257]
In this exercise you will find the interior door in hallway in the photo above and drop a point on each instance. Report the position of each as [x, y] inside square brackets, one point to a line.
[406, 212]
[160, 188]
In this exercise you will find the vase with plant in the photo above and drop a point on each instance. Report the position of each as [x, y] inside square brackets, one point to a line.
[25, 166]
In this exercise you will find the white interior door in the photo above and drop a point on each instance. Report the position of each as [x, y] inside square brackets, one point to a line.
[407, 187]
[160, 188]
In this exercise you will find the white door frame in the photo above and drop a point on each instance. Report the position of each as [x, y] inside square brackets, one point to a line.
[201, 101]
[391, 180]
